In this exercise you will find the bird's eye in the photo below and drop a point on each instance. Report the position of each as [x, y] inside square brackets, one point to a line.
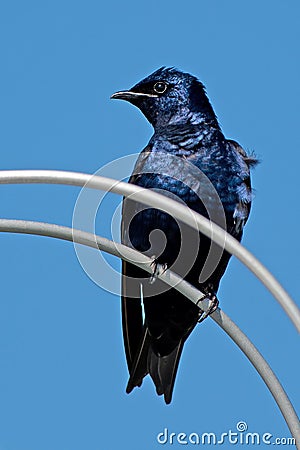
[160, 87]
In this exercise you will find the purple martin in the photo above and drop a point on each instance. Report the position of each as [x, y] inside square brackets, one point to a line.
[188, 159]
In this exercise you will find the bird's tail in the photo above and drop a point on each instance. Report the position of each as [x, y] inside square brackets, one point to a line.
[162, 369]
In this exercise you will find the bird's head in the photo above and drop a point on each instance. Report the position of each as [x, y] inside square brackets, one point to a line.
[170, 97]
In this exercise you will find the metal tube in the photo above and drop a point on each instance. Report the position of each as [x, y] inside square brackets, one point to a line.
[174, 208]
[129, 254]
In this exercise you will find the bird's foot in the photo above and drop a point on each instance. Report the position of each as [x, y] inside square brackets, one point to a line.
[158, 269]
[214, 303]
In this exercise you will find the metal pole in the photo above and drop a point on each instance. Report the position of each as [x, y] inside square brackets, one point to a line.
[129, 254]
[174, 208]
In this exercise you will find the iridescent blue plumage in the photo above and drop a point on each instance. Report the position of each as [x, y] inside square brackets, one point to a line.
[187, 157]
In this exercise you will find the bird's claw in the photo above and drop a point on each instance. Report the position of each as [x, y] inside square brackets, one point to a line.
[214, 303]
[158, 269]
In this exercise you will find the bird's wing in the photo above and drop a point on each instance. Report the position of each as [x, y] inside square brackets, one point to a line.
[131, 301]
[245, 192]
[132, 312]
[250, 160]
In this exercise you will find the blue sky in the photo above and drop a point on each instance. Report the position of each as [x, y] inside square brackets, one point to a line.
[62, 367]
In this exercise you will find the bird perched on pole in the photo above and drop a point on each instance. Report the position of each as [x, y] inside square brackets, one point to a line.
[187, 159]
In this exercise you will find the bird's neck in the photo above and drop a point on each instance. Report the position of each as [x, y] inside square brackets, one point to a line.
[193, 132]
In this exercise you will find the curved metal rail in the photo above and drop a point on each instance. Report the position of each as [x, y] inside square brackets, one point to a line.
[174, 208]
[142, 261]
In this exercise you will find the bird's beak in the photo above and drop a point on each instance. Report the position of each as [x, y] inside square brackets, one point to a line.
[130, 95]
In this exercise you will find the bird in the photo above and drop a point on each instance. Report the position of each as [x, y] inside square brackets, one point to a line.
[189, 160]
